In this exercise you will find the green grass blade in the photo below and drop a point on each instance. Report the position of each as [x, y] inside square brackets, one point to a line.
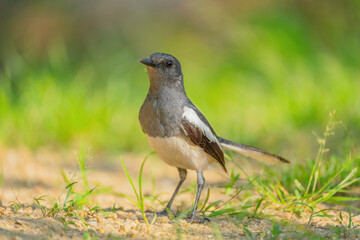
[141, 203]
[129, 179]
[206, 200]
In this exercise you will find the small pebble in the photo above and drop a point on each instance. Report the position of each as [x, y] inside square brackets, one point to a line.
[183, 222]
[92, 223]
[28, 210]
[37, 212]
[82, 213]
[167, 225]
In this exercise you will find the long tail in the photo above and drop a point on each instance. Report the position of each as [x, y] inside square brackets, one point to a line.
[252, 152]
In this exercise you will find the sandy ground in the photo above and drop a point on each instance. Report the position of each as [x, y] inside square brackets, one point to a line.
[27, 175]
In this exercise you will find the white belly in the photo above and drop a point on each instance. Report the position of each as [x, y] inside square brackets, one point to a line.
[181, 152]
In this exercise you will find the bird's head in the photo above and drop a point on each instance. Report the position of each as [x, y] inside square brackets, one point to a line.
[164, 70]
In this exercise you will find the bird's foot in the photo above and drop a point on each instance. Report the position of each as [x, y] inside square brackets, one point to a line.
[194, 219]
[166, 212]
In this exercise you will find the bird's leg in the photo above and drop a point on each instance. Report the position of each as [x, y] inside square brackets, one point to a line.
[200, 185]
[182, 174]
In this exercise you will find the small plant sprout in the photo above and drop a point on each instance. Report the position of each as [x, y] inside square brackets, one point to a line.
[313, 214]
[257, 207]
[347, 226]
[248, 234]
[139, 202]
[82, 158]
[42, 208]
[68, 200]
[329, 131]
[275, 231]
[233, 179]
[220, 207]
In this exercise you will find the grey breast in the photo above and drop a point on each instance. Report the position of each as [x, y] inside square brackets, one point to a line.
[161, 113]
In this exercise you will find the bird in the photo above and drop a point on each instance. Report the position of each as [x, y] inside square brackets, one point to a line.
[179, 133]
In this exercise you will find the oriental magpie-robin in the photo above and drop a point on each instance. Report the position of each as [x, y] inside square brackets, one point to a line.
[179, 132]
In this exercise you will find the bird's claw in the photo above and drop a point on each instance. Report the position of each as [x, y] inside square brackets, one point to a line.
[166, 212]
[192, 219]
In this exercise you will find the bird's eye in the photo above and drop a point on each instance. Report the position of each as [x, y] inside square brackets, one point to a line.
[169, 64]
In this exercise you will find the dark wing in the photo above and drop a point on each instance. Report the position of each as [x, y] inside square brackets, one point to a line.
[198, 137]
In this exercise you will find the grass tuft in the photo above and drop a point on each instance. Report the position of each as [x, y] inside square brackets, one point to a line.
[69, 200]
[139, 202]
[308, 185]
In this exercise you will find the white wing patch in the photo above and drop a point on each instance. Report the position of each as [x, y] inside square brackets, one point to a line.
[194, 119]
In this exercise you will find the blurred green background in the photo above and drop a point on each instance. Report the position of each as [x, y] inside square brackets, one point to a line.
[265, 73]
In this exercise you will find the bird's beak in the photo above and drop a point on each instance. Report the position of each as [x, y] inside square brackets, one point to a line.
[147, 62]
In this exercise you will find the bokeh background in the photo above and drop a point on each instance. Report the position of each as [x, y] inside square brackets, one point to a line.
[265, 73]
